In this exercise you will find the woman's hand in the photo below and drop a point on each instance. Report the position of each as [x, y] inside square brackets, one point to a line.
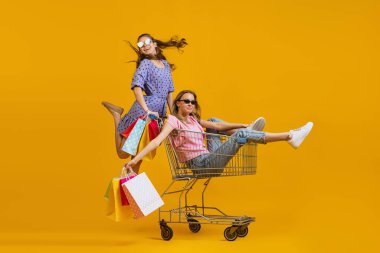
[153, 113]
[130, 164]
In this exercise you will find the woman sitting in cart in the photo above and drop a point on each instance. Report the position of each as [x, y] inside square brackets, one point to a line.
[189, 144]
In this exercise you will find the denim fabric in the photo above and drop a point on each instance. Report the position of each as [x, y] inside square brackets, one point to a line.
[213, 142]
[223, 152]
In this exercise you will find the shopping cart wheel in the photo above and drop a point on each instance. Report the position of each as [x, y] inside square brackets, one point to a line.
[230, 233]
[166, 232]
[194, 226]
[242, 231]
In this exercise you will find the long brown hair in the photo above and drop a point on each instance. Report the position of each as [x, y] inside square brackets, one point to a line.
[197, 108]
[173, 42]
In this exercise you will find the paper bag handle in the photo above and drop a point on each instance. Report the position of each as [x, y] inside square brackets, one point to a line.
[125, 174]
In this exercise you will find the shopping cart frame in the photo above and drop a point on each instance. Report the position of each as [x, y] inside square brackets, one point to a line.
[242, 163]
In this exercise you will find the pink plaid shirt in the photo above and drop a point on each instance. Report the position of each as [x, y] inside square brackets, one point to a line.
[188, 145]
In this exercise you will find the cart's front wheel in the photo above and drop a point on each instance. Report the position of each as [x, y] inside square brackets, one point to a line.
[166, 232]
[242, 231]
[194, 225]
[229, 235]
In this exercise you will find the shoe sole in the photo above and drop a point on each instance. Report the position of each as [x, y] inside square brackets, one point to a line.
[259, 124]
[298, 144]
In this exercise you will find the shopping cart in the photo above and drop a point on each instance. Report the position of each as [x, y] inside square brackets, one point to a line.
[222, 165]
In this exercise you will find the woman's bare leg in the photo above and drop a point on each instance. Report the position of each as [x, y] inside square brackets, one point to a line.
[294, 137]
[119, 139]
[272, 137]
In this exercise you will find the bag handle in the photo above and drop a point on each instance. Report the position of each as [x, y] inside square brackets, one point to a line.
[146, 117]
[149, 116]
[152, 116]
[125, 174]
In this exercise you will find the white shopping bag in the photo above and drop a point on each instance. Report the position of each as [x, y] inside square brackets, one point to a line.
[142, 196]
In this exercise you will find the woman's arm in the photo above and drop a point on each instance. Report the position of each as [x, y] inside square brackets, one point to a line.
[169, 99]
[140, 99]
[222, 126]
[166, 130]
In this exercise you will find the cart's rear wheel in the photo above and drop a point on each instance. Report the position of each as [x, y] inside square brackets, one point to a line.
[194, 225]
[166, 232]
[242, 231]
[230, 236]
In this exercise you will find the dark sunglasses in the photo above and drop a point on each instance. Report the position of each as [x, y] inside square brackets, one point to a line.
[188, 101]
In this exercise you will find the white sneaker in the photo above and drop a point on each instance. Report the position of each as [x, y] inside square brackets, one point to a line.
[257, 125]
[299, 135]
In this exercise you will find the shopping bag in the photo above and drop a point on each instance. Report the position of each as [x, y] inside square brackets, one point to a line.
[127, 131]
[142, 196]
[153, 129]
[109, 188]
[114, 208]
[123, 179]
[145, 141]
[132, 142]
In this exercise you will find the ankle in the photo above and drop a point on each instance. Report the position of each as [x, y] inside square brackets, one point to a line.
[116, 115]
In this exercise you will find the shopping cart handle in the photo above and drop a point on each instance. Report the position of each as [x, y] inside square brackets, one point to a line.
[152, 116]
[242, 140]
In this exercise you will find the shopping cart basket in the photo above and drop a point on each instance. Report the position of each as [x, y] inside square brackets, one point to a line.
[220, 164]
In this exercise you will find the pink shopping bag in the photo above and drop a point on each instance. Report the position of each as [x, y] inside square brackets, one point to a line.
[129, 176]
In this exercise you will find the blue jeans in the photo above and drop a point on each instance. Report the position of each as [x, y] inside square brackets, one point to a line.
[222, 152]
[213, 142]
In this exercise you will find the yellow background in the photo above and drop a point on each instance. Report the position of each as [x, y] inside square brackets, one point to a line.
[289, 61]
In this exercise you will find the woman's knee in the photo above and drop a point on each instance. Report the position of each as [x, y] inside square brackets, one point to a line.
[214, 119]
[255, 136]
[240, 133]
[210, 130]
[122, 154]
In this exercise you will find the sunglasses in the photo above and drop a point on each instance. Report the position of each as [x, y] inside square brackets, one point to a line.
[188, 101]
[146, 42]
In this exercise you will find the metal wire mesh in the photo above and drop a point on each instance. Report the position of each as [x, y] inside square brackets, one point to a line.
[216, 155]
